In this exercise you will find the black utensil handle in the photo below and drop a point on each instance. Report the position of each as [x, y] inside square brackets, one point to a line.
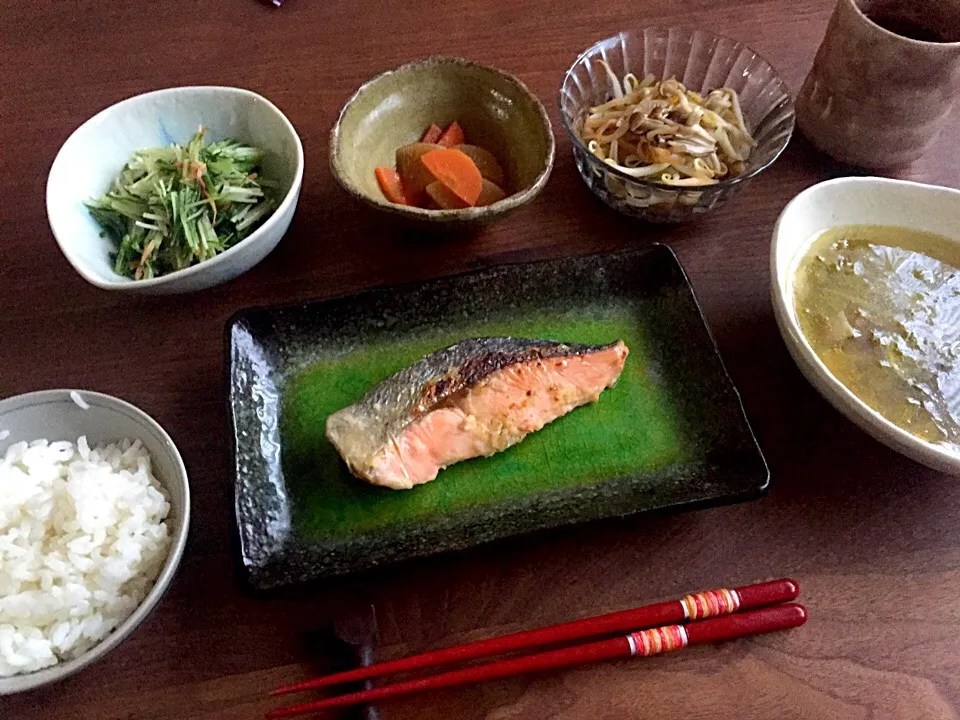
[364, 657]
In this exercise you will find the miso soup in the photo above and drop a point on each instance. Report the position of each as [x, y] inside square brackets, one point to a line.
[880, 306]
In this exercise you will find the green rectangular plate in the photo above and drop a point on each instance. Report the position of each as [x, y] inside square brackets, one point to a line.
[672, 432]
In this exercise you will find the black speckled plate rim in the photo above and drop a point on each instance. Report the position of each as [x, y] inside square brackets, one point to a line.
[268, 562]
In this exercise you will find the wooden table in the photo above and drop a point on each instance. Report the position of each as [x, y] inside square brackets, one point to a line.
[872, 537]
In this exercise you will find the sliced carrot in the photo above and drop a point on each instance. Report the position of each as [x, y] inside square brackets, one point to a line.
[432, 134]
[457, 171]
[485, 161]
[413, 174]
[452, 136]
[443, 197]
[489, 194]
[391, 185]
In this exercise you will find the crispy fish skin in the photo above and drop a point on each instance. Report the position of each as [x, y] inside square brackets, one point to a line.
[474, 398]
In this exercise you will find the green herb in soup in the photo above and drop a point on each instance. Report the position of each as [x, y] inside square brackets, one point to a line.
[881, 308]
[177, 206]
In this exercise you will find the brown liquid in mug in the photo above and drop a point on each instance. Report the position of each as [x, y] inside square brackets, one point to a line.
[907, 27]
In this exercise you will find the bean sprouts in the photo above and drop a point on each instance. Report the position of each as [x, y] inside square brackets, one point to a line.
[663, 132]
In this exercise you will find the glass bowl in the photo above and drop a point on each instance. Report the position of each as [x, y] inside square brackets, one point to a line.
[702, 62]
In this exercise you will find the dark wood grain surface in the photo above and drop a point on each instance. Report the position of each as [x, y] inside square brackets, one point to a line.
[872, 538]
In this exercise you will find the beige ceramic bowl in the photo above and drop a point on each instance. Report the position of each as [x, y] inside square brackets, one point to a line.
[495, 109]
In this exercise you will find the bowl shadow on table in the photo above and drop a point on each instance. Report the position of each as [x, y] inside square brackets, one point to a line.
[811, 162]
[337, 246]
[329, 262]
[377, 236]
[831, 481]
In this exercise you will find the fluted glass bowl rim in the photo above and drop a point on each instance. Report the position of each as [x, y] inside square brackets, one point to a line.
[567, 121]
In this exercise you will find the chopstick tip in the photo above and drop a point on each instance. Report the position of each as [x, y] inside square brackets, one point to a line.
[293, 687]
[803, 615]
[793, 587]
[313, 684]
[792, 614]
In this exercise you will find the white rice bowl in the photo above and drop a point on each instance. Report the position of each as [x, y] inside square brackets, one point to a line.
[82, 539]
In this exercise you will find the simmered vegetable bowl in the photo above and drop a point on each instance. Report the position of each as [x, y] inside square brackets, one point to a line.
[180, 205]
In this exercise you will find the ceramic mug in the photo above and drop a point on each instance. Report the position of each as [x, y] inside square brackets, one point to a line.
[883, 80]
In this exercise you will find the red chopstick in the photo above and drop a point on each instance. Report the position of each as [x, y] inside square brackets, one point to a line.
[643, 643]
[691, 607]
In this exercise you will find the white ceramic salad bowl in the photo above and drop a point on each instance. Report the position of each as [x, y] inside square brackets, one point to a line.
[96, 152]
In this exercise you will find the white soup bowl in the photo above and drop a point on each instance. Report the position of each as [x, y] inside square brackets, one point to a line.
[857, 201]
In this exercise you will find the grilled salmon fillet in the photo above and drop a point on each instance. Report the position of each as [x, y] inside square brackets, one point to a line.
[475, 398]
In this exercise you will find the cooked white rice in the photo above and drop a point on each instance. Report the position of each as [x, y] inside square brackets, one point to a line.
[82, 540]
